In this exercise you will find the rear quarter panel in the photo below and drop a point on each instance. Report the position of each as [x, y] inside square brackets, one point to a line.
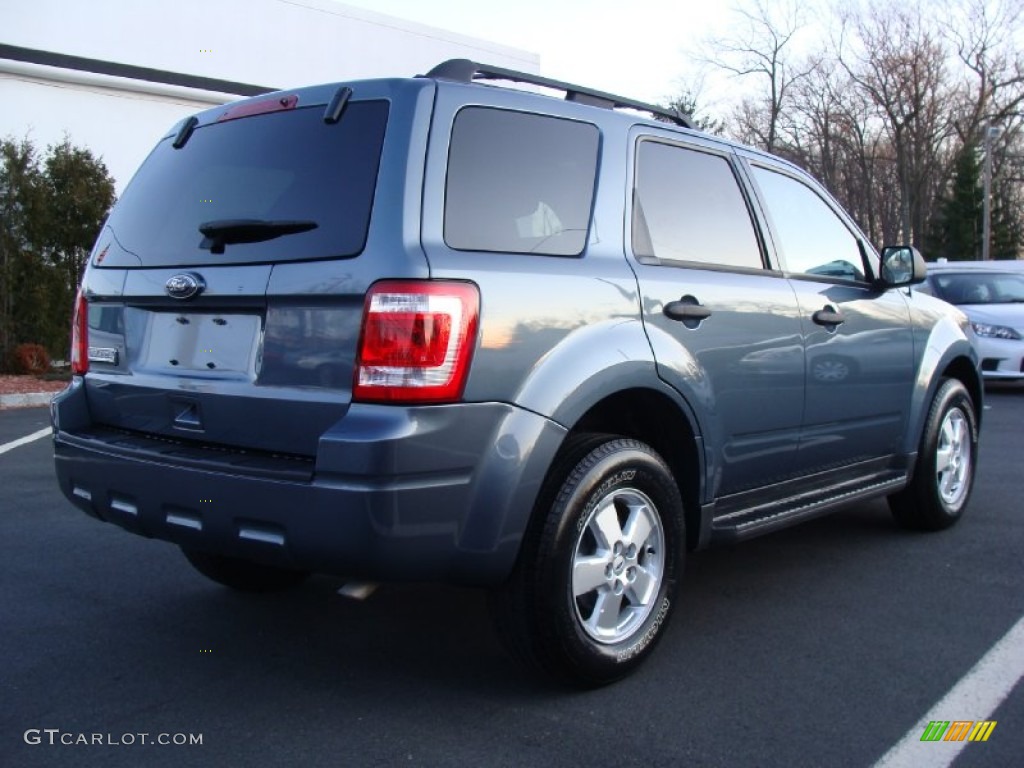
[557, 333]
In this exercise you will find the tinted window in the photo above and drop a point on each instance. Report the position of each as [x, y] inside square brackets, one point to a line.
[287, 165]
[687, 206]
[519, 183]
[814, 240]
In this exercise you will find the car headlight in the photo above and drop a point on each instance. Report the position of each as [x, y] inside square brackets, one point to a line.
[996, 331]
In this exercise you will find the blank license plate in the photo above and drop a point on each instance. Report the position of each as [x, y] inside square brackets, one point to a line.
[204, 343]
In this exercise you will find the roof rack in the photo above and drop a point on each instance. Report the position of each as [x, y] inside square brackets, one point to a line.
[466, 71]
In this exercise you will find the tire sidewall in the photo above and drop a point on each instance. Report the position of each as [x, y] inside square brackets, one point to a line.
[626, 465]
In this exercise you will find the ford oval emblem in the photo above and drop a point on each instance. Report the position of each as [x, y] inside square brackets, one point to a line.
[184, 286]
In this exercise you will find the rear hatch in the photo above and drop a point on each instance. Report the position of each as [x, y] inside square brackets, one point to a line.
[225, 293]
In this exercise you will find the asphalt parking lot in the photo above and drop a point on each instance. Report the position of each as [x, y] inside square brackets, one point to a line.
[820, 645]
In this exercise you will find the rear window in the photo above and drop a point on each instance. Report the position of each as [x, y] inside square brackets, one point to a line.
[281, 166]
[519, 183]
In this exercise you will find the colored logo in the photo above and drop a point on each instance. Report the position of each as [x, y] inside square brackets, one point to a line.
[958, 730]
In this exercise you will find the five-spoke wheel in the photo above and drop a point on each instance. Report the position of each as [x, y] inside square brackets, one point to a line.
[617, 565]
[953, 457]
[941, 484]
[596, 578]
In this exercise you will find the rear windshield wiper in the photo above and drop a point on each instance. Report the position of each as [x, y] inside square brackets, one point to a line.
[219, 233]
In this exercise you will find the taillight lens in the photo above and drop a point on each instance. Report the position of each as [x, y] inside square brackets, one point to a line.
[80, 336]
[417, 341]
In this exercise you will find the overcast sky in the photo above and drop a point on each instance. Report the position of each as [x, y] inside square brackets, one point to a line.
[643, 49]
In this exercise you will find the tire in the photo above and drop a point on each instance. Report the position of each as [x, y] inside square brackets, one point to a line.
[244, 575]
[595, 583]
[938, 492]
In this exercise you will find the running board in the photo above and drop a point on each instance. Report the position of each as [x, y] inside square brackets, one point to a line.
[765, 518]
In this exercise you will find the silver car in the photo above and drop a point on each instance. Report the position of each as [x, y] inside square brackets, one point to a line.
[991, 294]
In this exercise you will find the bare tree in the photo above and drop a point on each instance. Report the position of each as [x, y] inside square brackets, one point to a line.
[987, 36]
[762, 48]
[882, 109]
[824, 131]
[892, 56]
[982, 33]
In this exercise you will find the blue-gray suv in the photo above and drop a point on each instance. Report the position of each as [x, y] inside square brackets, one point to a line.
[443, 328]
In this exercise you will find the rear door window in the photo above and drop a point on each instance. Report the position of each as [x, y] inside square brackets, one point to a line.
[519, 183]
[688, 207]
[282, 166]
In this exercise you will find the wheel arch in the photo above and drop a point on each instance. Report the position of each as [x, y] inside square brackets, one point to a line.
[945, 351]
[665, 424]
[958, 363]
[963, 368]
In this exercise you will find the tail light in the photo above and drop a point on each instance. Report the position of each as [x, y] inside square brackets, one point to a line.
[80, 336]
[417, 341]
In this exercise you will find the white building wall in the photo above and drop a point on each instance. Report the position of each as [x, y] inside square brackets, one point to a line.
[273, 43]
[117, 124]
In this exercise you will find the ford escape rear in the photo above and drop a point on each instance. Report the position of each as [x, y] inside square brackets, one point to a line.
[430, 328]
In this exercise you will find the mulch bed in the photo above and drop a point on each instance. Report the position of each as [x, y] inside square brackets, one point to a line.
[20, 385]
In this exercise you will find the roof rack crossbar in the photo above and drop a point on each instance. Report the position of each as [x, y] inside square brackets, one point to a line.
[466, 71]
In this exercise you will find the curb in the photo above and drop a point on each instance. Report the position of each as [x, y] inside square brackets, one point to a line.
[26, 399]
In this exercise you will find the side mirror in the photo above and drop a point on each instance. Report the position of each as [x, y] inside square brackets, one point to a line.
[902, 265]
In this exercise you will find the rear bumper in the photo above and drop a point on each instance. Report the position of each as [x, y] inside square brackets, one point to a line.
[395, 493]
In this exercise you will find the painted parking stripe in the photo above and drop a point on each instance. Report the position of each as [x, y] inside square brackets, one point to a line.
[27, 439]
[977, 696]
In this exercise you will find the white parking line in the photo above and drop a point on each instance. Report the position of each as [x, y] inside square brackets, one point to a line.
[976, 697]
[27, 439]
